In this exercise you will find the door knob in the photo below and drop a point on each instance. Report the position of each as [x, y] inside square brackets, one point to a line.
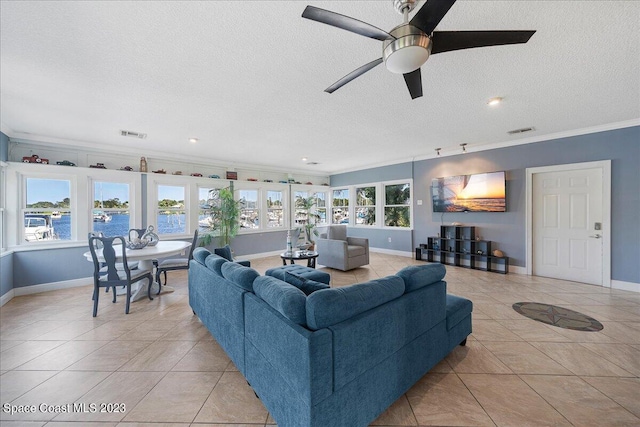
[597, 236]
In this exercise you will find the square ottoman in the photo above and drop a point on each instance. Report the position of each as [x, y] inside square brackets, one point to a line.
[299, 270]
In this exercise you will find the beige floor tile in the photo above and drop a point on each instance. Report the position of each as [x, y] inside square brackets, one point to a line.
[6, 344]
[579, 402]
[620, 354]
[523, 358]
[624, 391]
[398, 414]
[125, 424]
[84, 424]
[442, 399]
[204, 356]
[148, 331]
[499, 311]
[580, 360]
[109, 331]
[159, 356]
[62, 356]
[32, 330]
[191, 330]
[623, 332]
[232, 401]
[531, 330]
[509, 401]
[14, 384]
[110, 357]
[61, 389]
[475, 358]
[176, 398]
[126, 389]
[23, 423]
[71, 330]
[24, 352]
[491, 330]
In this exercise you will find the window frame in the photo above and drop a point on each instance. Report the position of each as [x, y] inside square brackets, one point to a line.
[156, 180]
[349, 206]
[263, 219]
[135, 208]
[384, 205]
[376, 188]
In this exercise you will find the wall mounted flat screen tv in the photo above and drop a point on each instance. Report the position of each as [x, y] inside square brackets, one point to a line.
[481, 192]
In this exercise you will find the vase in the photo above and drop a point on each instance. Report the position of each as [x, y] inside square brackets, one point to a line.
[150, 236]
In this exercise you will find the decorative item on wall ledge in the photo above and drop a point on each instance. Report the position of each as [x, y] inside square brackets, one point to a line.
[160, 171]
[232, 175]
[143, 164]
[177, 173]
[498, 253]
[98, 166]
[150, 236]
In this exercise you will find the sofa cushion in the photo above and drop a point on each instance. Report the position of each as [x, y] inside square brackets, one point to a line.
[283, 297]
[457, 309]
[201, 254]
[224, 252]
[307, 286]
[240, 275]
[417, 276]
[337, 232]
[327, 307]
[214, 263]
[353, 251]
[299, 270]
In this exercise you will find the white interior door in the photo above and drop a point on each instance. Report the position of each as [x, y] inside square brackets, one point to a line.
[567, 225]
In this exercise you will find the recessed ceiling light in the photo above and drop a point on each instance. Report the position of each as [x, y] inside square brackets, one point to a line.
[494, 101]
[193, 140]
[304, 159]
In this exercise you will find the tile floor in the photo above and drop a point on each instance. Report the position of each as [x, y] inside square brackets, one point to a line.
[164, 367]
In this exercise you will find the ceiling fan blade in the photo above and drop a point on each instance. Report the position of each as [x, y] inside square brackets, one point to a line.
[346, 23]
[352, 75]
[430, 15]
[446, 41]
[414, 83]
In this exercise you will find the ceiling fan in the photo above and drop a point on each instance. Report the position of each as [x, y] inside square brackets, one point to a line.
[406, 47]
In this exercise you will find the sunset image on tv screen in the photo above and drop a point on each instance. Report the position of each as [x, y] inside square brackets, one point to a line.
[484, 192]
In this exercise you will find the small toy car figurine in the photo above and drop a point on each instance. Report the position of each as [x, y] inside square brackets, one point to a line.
[308, 183]
[268, 180]
[65, 163]
[177, 173]
[126, 168]
[214, 176]
[196, 174]
[251, 179]
[283, 182]
[35, 159]
[160, 171]
[98, 166]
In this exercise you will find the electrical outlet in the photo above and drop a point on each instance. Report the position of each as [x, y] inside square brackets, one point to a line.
[389, 239]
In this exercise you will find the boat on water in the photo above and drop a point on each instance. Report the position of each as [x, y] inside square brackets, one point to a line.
[100, 216]
[38, 227]
[206, 222]
[56, 215]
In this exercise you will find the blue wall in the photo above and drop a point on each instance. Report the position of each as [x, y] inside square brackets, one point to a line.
[4, 147]
[508, 229]
[6, 274]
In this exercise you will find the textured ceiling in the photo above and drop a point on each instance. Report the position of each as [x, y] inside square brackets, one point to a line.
[247, 79]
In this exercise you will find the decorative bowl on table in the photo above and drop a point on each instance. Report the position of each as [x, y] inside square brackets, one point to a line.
[137, 243]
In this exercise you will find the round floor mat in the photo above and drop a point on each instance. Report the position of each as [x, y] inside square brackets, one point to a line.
[558, 316]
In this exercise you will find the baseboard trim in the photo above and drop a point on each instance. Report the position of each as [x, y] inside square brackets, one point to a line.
[259, 255]
[6, 297]
[392, 252]
[625, 286]
[53, 286]
[517, 270]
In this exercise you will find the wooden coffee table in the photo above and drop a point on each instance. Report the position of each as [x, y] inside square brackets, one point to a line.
[310, 256]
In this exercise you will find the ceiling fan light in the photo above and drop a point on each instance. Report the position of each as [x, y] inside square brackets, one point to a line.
[408, 51]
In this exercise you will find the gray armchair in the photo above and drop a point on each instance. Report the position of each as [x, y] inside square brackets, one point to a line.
[336, 250]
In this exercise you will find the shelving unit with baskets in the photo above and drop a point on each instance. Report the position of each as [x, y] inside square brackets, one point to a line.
[458, 245]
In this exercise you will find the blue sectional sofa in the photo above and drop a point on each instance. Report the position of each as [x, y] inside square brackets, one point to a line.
[338, 356]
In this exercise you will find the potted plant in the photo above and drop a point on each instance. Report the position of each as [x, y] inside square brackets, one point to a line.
[224, 213]
[310, 230]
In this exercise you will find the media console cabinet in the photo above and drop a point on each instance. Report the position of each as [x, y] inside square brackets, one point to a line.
[458, 245]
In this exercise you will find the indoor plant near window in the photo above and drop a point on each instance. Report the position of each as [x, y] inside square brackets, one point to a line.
[224, 213]
[310, 230]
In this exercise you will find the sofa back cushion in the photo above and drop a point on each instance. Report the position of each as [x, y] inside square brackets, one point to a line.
[240, 275]
[307, 286]
[200, 255]
[214, 263]
[283, 297]
[418, 276]
[328, 307]
[337, 232]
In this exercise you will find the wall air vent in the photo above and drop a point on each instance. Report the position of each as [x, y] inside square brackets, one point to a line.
[313, 163]
[522, 130]
[132, 134]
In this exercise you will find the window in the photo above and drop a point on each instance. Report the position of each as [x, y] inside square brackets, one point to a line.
[171, 210]
[321, 207]
[111, 210]
[249, 209]
[366, 205]
[275, 209]
[340, 209]
[301, 213]
[207, 197]
[46, 212]
[397, 205]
